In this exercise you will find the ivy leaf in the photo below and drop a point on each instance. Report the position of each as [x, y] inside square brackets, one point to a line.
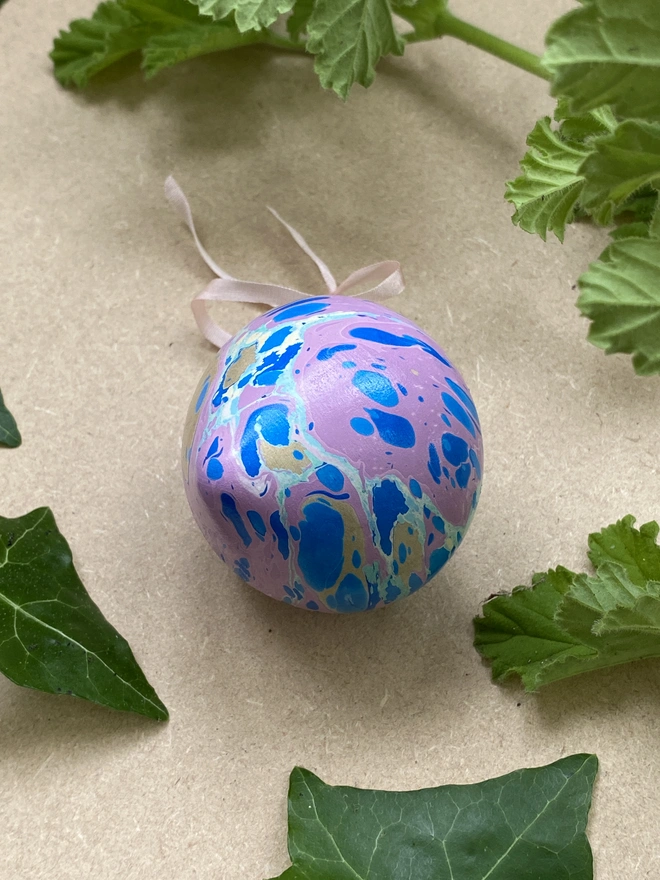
[529, 823]
[249, 14]
[165, 50]
[546, 193]
[620, 295]
[622, 163]
[348, 38]
[568, 623]
[296, 23]
[52, 636]
[607, 53]
[9, 434]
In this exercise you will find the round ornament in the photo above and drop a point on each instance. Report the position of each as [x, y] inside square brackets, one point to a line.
[332, 453]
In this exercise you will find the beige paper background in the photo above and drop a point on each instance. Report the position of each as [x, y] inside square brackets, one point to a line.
[99, 356]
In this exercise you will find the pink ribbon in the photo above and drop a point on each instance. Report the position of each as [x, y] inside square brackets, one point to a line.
[386, 277]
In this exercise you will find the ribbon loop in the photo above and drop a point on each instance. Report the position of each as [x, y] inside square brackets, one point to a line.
[386, 276]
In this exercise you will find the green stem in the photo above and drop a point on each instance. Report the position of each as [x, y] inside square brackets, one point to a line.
[446, 24]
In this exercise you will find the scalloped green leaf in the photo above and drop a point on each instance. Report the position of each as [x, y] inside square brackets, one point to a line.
[168, 49]
[546, 193]
[165, 31]
[248, 14]
[348, 38]
[621, 164]
[566, 623]
[607, 52]
[91, 45]
[52, 635]
[620, 295]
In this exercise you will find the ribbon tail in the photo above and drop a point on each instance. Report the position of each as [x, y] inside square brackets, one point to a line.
[326, 274]
[175, 196]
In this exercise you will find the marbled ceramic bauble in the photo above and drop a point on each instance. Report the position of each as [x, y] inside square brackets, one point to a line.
[333, 455]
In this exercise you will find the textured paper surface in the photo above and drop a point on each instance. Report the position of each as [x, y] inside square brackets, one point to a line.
[99, 356]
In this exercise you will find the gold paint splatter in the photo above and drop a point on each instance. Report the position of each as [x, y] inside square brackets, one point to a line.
[414, 561]
[281, 458]
[245, 359]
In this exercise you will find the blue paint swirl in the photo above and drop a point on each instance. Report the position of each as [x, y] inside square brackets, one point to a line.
[362, 426]
[276, 338]
[273, 364]
[393, 429]
[454, 449]
[376, 387]
[374, 334]
[351, 595]
[300, 309]
[257, 523]
[331, 477]
[458, 412]
[273, 422]
[388, 503]
[438, 559]
[280, 533]
[463, 475]
[230, 512]
[214, 469]
[464, 397]
[434, 463]
[321, 550]
[326, 353]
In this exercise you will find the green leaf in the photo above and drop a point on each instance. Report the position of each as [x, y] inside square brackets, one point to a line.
[90, 45]
[546, 193]
[249, 14]
[170, 48]
[620, 295]
[166, 31]
[9, 433]
[529, 823]
[585, 126]
[637, 229]
[636, 550]
[608, 52]
[296, 23]
[621, 164]
[426, 16]
[52, 636]
[568, 623]
[348, 38]
[169, 14]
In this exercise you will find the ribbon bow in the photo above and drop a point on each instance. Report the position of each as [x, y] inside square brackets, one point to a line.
[386, 277]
